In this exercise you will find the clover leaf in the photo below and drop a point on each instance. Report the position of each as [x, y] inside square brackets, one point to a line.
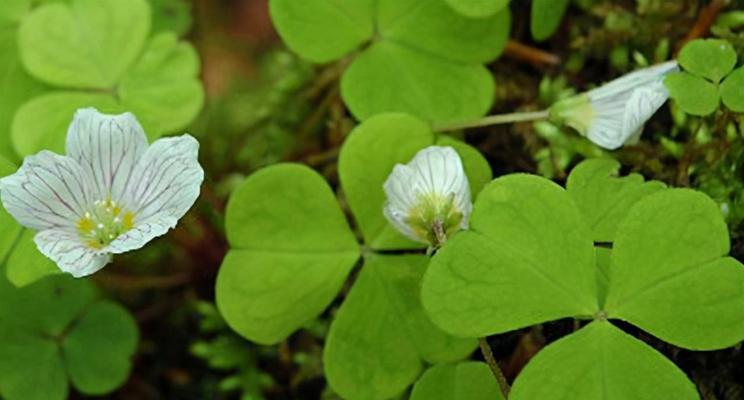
[528, 258]
[706, 62]
[671, 275]
[601, 362]
[57, 328]
[427, 51]
[380, 335]
[291, 250]
[693, 94]
[463, 381]
[97, 53]
[711, 59]
[732, 92]
[603, 198]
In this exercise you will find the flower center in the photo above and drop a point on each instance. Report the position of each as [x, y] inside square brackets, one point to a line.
[435, 218]
[103, 223]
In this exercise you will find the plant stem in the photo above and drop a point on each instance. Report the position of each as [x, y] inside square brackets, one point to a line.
[495, 369]
[493, 120]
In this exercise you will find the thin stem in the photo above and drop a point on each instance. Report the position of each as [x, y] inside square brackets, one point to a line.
[488, 355]
[493, 120]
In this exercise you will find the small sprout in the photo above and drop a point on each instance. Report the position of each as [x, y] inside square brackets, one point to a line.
[428, 199]
[613, 114]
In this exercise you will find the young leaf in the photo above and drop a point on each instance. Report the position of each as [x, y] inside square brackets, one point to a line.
[380, 335]
[391, 77]
[670, 273]
[367, 159]
[323, 30]
[464, 381]
[693, 94]
[711, 59]
[527, 258]
[291, 252]
[604, 198]
[546, 17]
[600, 362]
[478, 8]
[732, 91]
[87, 44]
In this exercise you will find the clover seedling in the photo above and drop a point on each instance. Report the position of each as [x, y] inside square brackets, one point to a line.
[698, 89]
[426, 50]
[292, 250]
[531, 256]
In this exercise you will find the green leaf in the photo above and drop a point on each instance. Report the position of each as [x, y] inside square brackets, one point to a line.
[464, 381]
[478, 8]
[30, 367]
[12, 11]
[15, 85]
[732, 91]
[527, 258]
[433, 27]
[603, 255]
[380, 335]
[41, 123]
[52, 327]
[546, 17]
[323, 30]
[86, 44]
[96, 352]
[600, 362]
[693, 94]
[670, 273]
[291, 250]
[164, 89]
[367, 158]
[25, 263]
[603, 198]
[392, 78]
[708, 58]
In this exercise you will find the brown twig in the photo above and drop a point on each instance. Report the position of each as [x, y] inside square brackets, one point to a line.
[532, 55]
[704, 21]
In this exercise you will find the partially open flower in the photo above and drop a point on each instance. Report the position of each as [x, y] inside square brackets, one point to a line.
[110, 194]
[428, 199]
[613, 114]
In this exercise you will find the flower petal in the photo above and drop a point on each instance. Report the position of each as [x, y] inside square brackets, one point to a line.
[168, 180]
[48, 191]
[141, 234]
[108, 148]
[71, 255]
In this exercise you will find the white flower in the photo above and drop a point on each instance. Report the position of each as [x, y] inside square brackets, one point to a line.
[110, 194]
[428, 199]
[613, 114]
